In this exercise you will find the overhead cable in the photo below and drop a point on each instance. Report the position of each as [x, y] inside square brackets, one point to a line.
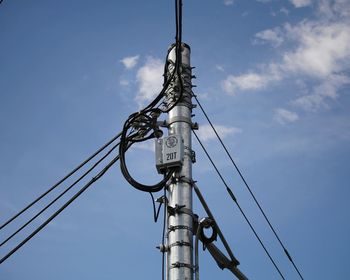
[61, 180]
[82, 190]
[59, 196]
[230, 192]
[144, 122]
[248, 188]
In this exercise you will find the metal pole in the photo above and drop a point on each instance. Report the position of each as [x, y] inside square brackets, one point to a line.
[180, 218]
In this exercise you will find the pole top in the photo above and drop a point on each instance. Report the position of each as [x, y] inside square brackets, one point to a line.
[185, 51]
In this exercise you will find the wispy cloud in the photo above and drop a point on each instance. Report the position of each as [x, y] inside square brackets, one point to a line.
[301, 3]
[273, 36]
[321, 93]
[284, 116]
[124, 82]
[317, 50]
[130, 62]
[252, 80]
[149, 79]
[207, 134]
[228, 2]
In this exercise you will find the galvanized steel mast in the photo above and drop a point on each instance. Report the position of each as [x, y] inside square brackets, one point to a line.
[180, 217]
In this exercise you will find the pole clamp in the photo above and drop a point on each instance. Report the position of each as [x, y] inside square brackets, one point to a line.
[191, 153]
[173, 228]
[183, 179]
[179, 265]
[180, 243]
[179, 209]
[179, 119]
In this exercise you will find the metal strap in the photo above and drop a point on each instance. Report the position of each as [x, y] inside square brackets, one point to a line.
[179, 119]
[179, 264]
[173, 228]
[180, 209]
[180, 243]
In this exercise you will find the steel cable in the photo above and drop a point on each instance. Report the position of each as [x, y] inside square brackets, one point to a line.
[239, 207]
[82, 190]
[59, 196]
[248, 188]
[61, 180]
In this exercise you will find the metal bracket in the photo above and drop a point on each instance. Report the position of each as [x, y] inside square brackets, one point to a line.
[173, 228]
[179, 119]
[179, 265]
[162, 199]
[180, 243]
[180, 209]
[166, 124]
[163, 248]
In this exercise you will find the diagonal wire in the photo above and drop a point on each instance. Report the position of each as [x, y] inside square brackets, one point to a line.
[59, 196]
[249, 189]
[239, 207]
[83, 189]
[60, 181]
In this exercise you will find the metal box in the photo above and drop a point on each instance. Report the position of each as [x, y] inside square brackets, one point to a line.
[169, 152]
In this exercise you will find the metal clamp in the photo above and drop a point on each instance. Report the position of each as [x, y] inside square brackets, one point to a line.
[179, 119]
[180, 243]
[179, 265]
[173, 228]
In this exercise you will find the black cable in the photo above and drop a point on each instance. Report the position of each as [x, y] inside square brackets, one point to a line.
[61, 181]
[145, 121]
[239, 207]
[155, 211]
[249, 189]
[145, 124]
[59, 196]
[163, 233]
[83, 189]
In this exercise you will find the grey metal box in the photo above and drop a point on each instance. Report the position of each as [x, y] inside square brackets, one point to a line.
[169, 152]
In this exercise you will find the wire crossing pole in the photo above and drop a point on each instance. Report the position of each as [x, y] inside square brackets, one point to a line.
[180, 218]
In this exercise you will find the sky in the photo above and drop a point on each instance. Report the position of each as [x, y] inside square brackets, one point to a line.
[274, 77]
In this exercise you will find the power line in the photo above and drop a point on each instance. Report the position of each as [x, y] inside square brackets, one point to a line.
[61, 181]
[249, 189]
[59, 196]
[83, 189]
[238, 205]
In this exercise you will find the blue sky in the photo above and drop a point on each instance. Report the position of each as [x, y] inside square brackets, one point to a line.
[272, 74]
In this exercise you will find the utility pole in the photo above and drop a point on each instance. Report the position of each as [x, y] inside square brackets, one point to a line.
[179, 215]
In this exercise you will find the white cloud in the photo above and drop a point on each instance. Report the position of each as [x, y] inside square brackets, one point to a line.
[272, 36]
[220, 68]
[301, 3]
[228, 2]
[251, 81]
[149, 78]
[317, 51]
[334, 8]
[321, 93]
[130, 61]
[284, 116]
[323, 48]
[124, 82]
[146, 146]
[207, 134]
[284, 10]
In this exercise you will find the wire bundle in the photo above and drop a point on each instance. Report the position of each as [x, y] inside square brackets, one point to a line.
[140, 126]
[58, 184]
